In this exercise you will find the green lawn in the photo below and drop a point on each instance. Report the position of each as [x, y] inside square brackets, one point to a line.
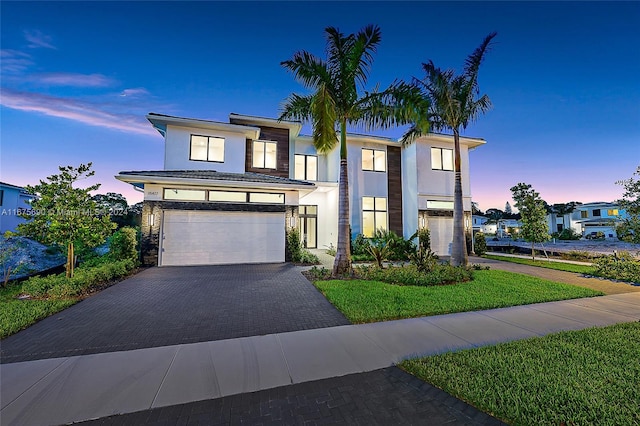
[568, 267]
[16, 315]
[583, 377]
[370, 301]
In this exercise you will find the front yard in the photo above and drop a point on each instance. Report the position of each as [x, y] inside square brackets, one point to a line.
[363, 301]
[558, 266]
[570, 378]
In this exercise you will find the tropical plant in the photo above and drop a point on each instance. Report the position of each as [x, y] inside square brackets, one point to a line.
[534, 215]
[454, 101]
[63, 215]
[336, 102]
[629, 229]
[480, 244]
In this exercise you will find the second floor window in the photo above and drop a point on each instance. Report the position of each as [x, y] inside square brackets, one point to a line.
[306, 167]
[612, 212]
[584, 214]
[596, 213]
[207, 148]
[441, 159]
[374, 160]
[374, 215]
[264, 154]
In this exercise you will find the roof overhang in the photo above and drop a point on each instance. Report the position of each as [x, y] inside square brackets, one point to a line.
[160, 123]
[293, 126]
[218, 183]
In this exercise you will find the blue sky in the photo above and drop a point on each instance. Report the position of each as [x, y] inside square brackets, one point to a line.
[78, 78]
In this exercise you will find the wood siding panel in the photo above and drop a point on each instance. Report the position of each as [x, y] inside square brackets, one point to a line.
[394, 188]
[281, 136]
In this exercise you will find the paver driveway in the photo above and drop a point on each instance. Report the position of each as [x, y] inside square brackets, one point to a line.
[175, 305]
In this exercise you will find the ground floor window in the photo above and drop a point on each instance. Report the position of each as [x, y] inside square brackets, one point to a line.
[374, 215]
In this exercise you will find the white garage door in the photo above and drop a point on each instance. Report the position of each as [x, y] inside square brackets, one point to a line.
[212, 237]
[441, 229]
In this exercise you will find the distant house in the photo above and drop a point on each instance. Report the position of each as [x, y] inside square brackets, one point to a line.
[12, 200]
[478, 223]
[588, 219]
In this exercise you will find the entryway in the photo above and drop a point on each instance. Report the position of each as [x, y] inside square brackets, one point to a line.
[308, 217]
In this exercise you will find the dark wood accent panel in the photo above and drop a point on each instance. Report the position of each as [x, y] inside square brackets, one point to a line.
[281, 136]
[394, 189]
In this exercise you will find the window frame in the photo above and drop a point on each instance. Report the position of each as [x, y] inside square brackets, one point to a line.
[209, 137]
[306, 167]
[593, 212]
[375, 211]
[453, 162]
[373, 158]
[264, 154]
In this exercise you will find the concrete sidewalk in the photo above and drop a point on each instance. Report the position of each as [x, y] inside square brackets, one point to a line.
[65, 390]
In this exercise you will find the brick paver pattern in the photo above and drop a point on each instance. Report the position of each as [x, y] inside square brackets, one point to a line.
[382, 397]
[176, 305]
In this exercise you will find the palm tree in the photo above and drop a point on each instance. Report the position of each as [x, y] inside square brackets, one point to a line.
[455, 101]
[335, 102]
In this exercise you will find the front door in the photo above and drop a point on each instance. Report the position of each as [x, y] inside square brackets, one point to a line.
[308, 225]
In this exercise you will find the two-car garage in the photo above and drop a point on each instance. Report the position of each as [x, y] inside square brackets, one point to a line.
[196, 237]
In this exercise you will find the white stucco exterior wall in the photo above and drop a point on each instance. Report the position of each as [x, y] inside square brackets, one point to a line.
[178, 144]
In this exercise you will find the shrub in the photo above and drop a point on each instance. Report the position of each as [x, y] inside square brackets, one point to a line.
[321, 273]
[360, 245]
[577, 255]
[124, 244]
[379, 248]
[568, 234]
[480, 244]
[59, 286]
[308, 258]
[622, 266]
[424, 238]
[424, 260]
[331, 250]
[295, 252]
[409, 275]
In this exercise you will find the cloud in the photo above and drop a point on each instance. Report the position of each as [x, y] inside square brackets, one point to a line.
[38, 39]
[135, 92]
[82, 112]
[14, 61]
[73, 79]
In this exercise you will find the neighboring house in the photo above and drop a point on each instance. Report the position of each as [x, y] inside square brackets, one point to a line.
[478, 223]
[588, 219]
[508, 228]
[13, 199]
[228, 191]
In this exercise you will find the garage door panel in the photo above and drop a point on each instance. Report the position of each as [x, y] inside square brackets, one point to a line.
[209, 238]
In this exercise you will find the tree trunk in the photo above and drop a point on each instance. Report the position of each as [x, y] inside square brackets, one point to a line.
[342, 263]
[70, 260]
[533, 252]
[459, 246]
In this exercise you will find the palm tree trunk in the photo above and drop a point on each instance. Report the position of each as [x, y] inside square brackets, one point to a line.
[459, 247]
[342, 263]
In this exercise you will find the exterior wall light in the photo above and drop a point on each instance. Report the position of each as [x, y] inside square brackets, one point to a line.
[151, 219]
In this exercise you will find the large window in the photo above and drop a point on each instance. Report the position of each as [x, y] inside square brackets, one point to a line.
[185, 194]
[374, 215]
[374, 160]
[264, 154]
[207, 148]
[584, 214]
[306, 167]
[263, 197]
[612, 212]
[596, 213]
[441, 159]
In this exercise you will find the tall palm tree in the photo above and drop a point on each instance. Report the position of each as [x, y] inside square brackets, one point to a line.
[455, 101]
[335, 103]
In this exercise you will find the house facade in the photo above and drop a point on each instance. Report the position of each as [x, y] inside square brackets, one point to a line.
[229, 191]
[13, 199]
[588, 219]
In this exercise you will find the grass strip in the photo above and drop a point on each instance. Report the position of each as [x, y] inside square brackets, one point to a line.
[559, 266]
[364, 301]
[570, 378]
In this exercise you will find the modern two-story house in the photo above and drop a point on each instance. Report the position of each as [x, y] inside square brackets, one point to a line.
[229, 191]
[13, 199]
[589, 219]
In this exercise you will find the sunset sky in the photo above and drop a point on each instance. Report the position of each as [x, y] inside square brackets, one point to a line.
[77, 80]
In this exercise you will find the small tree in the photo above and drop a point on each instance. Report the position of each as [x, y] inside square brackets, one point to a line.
[64, 215]
[629, 228]
[534, 215]
[507, 209]
[480, 244]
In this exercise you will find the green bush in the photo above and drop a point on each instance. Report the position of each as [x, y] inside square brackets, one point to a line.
[409, 275]
[568, 234]
[295, 252]
[623, 267]
[480, 246]
[360, 245]
[59, 286]
[124, 244]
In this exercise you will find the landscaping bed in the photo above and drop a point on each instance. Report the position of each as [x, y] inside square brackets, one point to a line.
[569, 378]
[363, 301]
[558, 266]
